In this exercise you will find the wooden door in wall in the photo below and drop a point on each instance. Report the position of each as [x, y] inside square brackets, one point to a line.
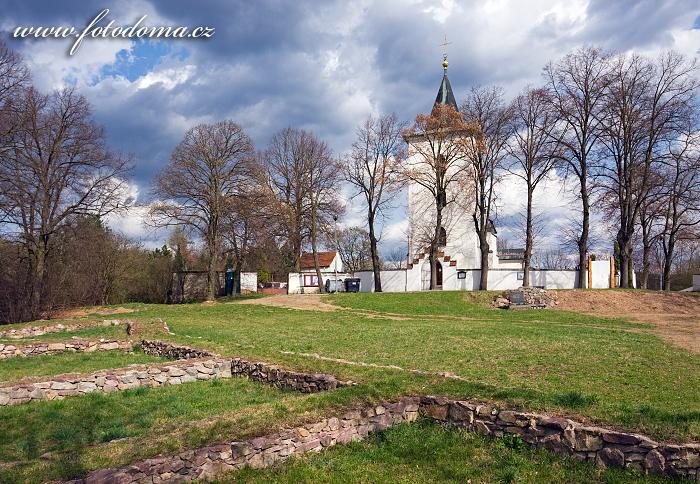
[438, 275]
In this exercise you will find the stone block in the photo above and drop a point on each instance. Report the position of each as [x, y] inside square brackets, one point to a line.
[583, 439]
[461, 413]
[608, 457]
[62, 385]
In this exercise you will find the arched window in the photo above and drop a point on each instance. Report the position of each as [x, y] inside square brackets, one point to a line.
[442, 239]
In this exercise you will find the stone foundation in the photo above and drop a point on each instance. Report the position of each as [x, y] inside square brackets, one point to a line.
[29, 331]
[281, 378]
[169, 350]
[209, 462]
[603, 447]
[76, 346]
[32, 331]
[186, 370]
[115, 380]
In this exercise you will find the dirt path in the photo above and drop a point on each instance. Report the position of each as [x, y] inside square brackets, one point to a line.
[307, 302]
[675, 316]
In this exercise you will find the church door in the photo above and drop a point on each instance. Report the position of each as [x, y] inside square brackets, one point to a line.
[438, 274]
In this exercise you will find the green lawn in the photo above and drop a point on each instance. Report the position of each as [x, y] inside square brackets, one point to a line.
[608, 371]
[603, 371]
[47, 365]
[101, 430]
[425, 452]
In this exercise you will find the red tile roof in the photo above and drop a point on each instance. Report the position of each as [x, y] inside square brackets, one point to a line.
[325, 259]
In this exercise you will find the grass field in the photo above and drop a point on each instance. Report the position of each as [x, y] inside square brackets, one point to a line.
[47, 365]
[607, 371]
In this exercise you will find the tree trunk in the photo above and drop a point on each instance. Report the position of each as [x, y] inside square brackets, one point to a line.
[484, 246]
[583, 239]
[321, 288]
[668, 263]
[38, 279]
[646, 250]
[624, 243]
[528, 239]
[434, 244]
[211, 272]
[374, 253]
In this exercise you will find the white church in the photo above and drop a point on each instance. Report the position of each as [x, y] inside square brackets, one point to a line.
[459, 257]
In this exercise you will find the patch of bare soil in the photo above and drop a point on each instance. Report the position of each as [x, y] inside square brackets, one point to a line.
[675, 316]
[306, 302]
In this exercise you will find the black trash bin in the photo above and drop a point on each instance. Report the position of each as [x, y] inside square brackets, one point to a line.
[352, 284]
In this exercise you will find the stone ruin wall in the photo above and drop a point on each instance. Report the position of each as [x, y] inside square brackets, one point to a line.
[604, 447]
[77, 346]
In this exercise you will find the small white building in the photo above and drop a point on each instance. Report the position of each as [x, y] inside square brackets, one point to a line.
[306, 280]
[696, 282]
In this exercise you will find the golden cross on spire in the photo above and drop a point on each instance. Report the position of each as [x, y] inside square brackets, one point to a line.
[444, 45]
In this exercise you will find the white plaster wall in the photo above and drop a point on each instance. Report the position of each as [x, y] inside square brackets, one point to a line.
[249, 281]
[392, 281]
[294, 283]
[500, 280]
[600, 274]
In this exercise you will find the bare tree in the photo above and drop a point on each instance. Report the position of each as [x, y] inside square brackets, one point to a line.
[14, 81]
[324, 175]
[248, 219]
[486, 109]
[206, 170]
[371, 170]
[58, 168]
[288, 177]
[651, 223]
[354, 248]
[533, 154]
[646, 104]
[681, 198]
[436, 163]
[396, 258]
[576, 86]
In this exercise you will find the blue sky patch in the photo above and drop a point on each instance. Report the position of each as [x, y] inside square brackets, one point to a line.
[141, 59]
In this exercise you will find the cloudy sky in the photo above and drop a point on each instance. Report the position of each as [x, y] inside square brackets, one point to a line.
[323, 66]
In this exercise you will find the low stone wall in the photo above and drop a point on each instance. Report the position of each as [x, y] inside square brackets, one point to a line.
[170, 350]
[29, 331]
[281, 378]
[115, 380]
[602, 446]
[79, 346]
[209, 462]
[189, 368]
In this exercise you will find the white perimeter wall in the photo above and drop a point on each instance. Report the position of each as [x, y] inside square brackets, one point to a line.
[499, 279]
[249, 281]
[696, 282]
[600, 274]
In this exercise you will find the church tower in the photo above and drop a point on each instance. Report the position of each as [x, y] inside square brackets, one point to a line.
[458, 244]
